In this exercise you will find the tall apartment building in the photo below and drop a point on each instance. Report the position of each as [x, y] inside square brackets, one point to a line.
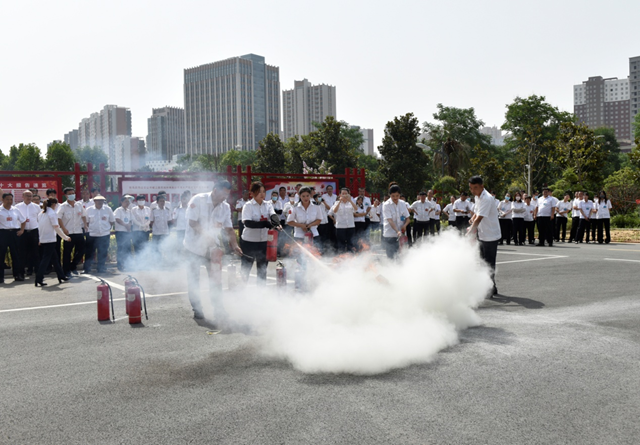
[71, 139]
[306, 104]
[129, 153]
[165, 133]
[230, 104]
[497, 138]
[101, 129]
[610, 102]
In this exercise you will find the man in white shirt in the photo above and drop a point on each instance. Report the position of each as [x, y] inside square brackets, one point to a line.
[328, 200]
[462, 209]
[12, 224]
[575, 215]
[529, 223]
[124, 235]
[395, 219]
[422, 216]
[30, 239]
[587, 208]
[87, 201]
[141, 228]
[562, 212]
[167, 204]
[160, 219]
[72, 219]
[544, 214]
[208, 215]
[448, 210]
[100, 218]
[486, 225]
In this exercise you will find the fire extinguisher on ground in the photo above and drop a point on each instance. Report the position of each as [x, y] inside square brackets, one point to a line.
[128, 282]
[281, 274]
[135, 302]
[308, 238]
[104, 296]
[272, 245]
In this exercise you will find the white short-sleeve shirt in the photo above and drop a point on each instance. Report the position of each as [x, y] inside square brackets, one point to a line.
[604, 209]
[575, 213]
[125, 216]
[546, 205]
[465, 206]
[586, 207]
[46, 222]
[100, 220]
[423, 211]
[489, 227]
[11, 218]
[448, 209]
[304, 216]
[398, 213]
[180, 217]
[515, 206]
[374, 213]
[71, 216]
[562, 206]
[212, 221]
[141, 218]
[30, 212]
[160, 219]
[343, 214]
[330, 200]
[252, 211]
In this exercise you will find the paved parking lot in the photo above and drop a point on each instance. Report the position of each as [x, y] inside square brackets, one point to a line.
[555, 361]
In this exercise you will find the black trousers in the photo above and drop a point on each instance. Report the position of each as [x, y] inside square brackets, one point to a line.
[258, 253]
[434, 226]
[49, 255]
[123, 249]
[529, 227]
[408, 232]
[489, 252]
[323, 232]
[575, 222]
[77, 246]
[462, 223]
[505, 230]
[29, 248]
[420, 229]
[101, 245]
[345, 239]
[593, 224]
[140, 240]
[604, 223]
[359, 235]
[583, 228]
[518, 230]
[391, 246]
[561, 225]
[545, 230]
[9, 240]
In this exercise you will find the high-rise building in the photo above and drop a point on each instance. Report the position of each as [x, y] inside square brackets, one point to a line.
[634, 89]
[367, 140]
[129, 153]
[165, 133]
[610, 102]
[306, 104]
[101, 129]
[497, 138]
[230, 104]
[71, 139]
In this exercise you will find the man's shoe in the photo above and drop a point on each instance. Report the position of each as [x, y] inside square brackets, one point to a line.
[19, 278]
[198, 315]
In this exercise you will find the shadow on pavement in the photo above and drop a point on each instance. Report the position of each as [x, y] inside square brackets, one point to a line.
[505, 299]
[486, 334]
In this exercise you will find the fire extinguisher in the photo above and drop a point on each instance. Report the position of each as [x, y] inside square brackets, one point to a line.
[128, 282]
[402, 242]
[104, 295]
[308, 238]
[272, 245]
[216, 267]
[281, 274]
[136, 303]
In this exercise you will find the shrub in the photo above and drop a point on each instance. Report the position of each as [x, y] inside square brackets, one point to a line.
[629, 220]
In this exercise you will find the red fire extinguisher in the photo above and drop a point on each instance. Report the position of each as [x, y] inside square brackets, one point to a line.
[216, 267]
[402, 242]
[272, 245]
[308, 237]
[281, 274]
[136, 303]
[128, 282]
[104, 295]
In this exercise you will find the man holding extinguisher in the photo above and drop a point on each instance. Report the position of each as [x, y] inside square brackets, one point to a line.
[258, 216]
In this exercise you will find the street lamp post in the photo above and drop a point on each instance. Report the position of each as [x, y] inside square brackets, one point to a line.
[445, 157]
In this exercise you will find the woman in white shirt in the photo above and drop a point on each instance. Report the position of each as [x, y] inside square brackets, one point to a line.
[374, 215]
[180, 216]
[360, 222]
[258, 217]
[324, 226]
[48, 226]
[504, 213]
[518, 210]
[562, 212]
[344, 211]
[604, 217]
[448, 210]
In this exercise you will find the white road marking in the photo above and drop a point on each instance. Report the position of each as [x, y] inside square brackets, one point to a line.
[531, 254]
[532, 259]
[620, 259]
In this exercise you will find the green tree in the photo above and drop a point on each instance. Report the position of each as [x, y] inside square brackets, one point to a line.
[238, 157]
[371, 165]
[206, 163]
[350, 132]
[445, 187]
[456, 133]
[3, 160]
[10, 161]
[294, 152]
[271, 157]
[493, 171]
[60, 157]
[29, 158]
[93, 155]
[329, 144]
[623, 188]
[636, 127]
[578, 148]
[613, 162]
[403, 161]
[534, 125]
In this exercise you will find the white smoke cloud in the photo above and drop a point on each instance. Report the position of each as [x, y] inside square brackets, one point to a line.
[351, 322]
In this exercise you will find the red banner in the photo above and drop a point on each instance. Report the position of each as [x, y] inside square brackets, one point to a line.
[16, 186]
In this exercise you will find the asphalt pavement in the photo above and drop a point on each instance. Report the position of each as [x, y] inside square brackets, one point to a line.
[556, 361]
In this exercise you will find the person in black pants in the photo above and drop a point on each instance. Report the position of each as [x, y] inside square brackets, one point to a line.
[12, 224]
[48, 228]
[604, 215]
[518, 211]
[586, 211]
[575, 216]
[545, 214]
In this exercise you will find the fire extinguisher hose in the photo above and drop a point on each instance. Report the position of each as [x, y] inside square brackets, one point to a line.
[113, 314]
